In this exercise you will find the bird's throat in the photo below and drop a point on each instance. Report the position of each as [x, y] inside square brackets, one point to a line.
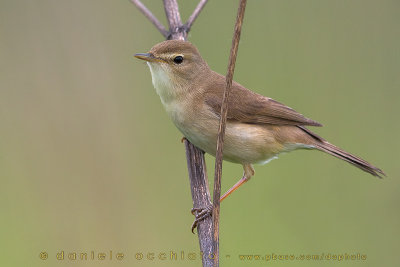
[166, 85]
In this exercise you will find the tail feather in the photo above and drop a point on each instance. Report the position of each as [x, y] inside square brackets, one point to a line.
[327, 147]
[356, 161]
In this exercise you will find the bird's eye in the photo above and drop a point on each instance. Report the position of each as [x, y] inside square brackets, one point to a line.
[178, 59]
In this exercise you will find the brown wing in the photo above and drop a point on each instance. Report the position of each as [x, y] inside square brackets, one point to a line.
[249, 107]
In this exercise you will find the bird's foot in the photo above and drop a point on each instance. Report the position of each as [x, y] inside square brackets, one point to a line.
[183, 139]
[201, 214]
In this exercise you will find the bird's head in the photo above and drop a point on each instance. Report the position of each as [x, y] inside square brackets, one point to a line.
[174, 64]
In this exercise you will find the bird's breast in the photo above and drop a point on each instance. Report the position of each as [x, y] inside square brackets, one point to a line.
[244, 143]
[198, 124]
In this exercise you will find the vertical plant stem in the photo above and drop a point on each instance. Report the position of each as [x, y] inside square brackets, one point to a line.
[221, 130]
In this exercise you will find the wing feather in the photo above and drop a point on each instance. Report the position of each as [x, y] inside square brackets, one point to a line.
[249, 107]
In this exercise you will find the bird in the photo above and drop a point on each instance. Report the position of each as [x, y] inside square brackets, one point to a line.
[258, 128]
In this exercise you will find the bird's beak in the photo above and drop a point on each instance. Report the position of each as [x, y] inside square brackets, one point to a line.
[148, 57]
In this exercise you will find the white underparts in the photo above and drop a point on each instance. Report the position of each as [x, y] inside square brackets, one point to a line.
[161, 81]
[291, 147]
[267, 161]
[288, 148]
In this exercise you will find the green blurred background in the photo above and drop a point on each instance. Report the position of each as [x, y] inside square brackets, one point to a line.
[89, 160]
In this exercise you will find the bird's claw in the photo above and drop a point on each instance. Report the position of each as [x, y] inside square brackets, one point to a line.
[200, 214]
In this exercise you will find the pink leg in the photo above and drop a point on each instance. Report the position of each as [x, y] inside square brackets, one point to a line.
[234, 188]
[202, 213]
[248, 173]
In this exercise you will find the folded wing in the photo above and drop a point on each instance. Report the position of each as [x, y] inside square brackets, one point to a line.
[249, 107]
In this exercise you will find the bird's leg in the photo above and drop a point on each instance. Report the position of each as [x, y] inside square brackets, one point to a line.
[234, 188]
[247, 174]
[202, 213]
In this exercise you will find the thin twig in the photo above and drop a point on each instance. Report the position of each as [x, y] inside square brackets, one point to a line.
[201, 198]
[151, 17]
[176, 29]
[194, 156]
[195, 14]
[221, 130]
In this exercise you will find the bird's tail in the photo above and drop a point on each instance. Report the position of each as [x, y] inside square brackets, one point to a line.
[327, 147]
